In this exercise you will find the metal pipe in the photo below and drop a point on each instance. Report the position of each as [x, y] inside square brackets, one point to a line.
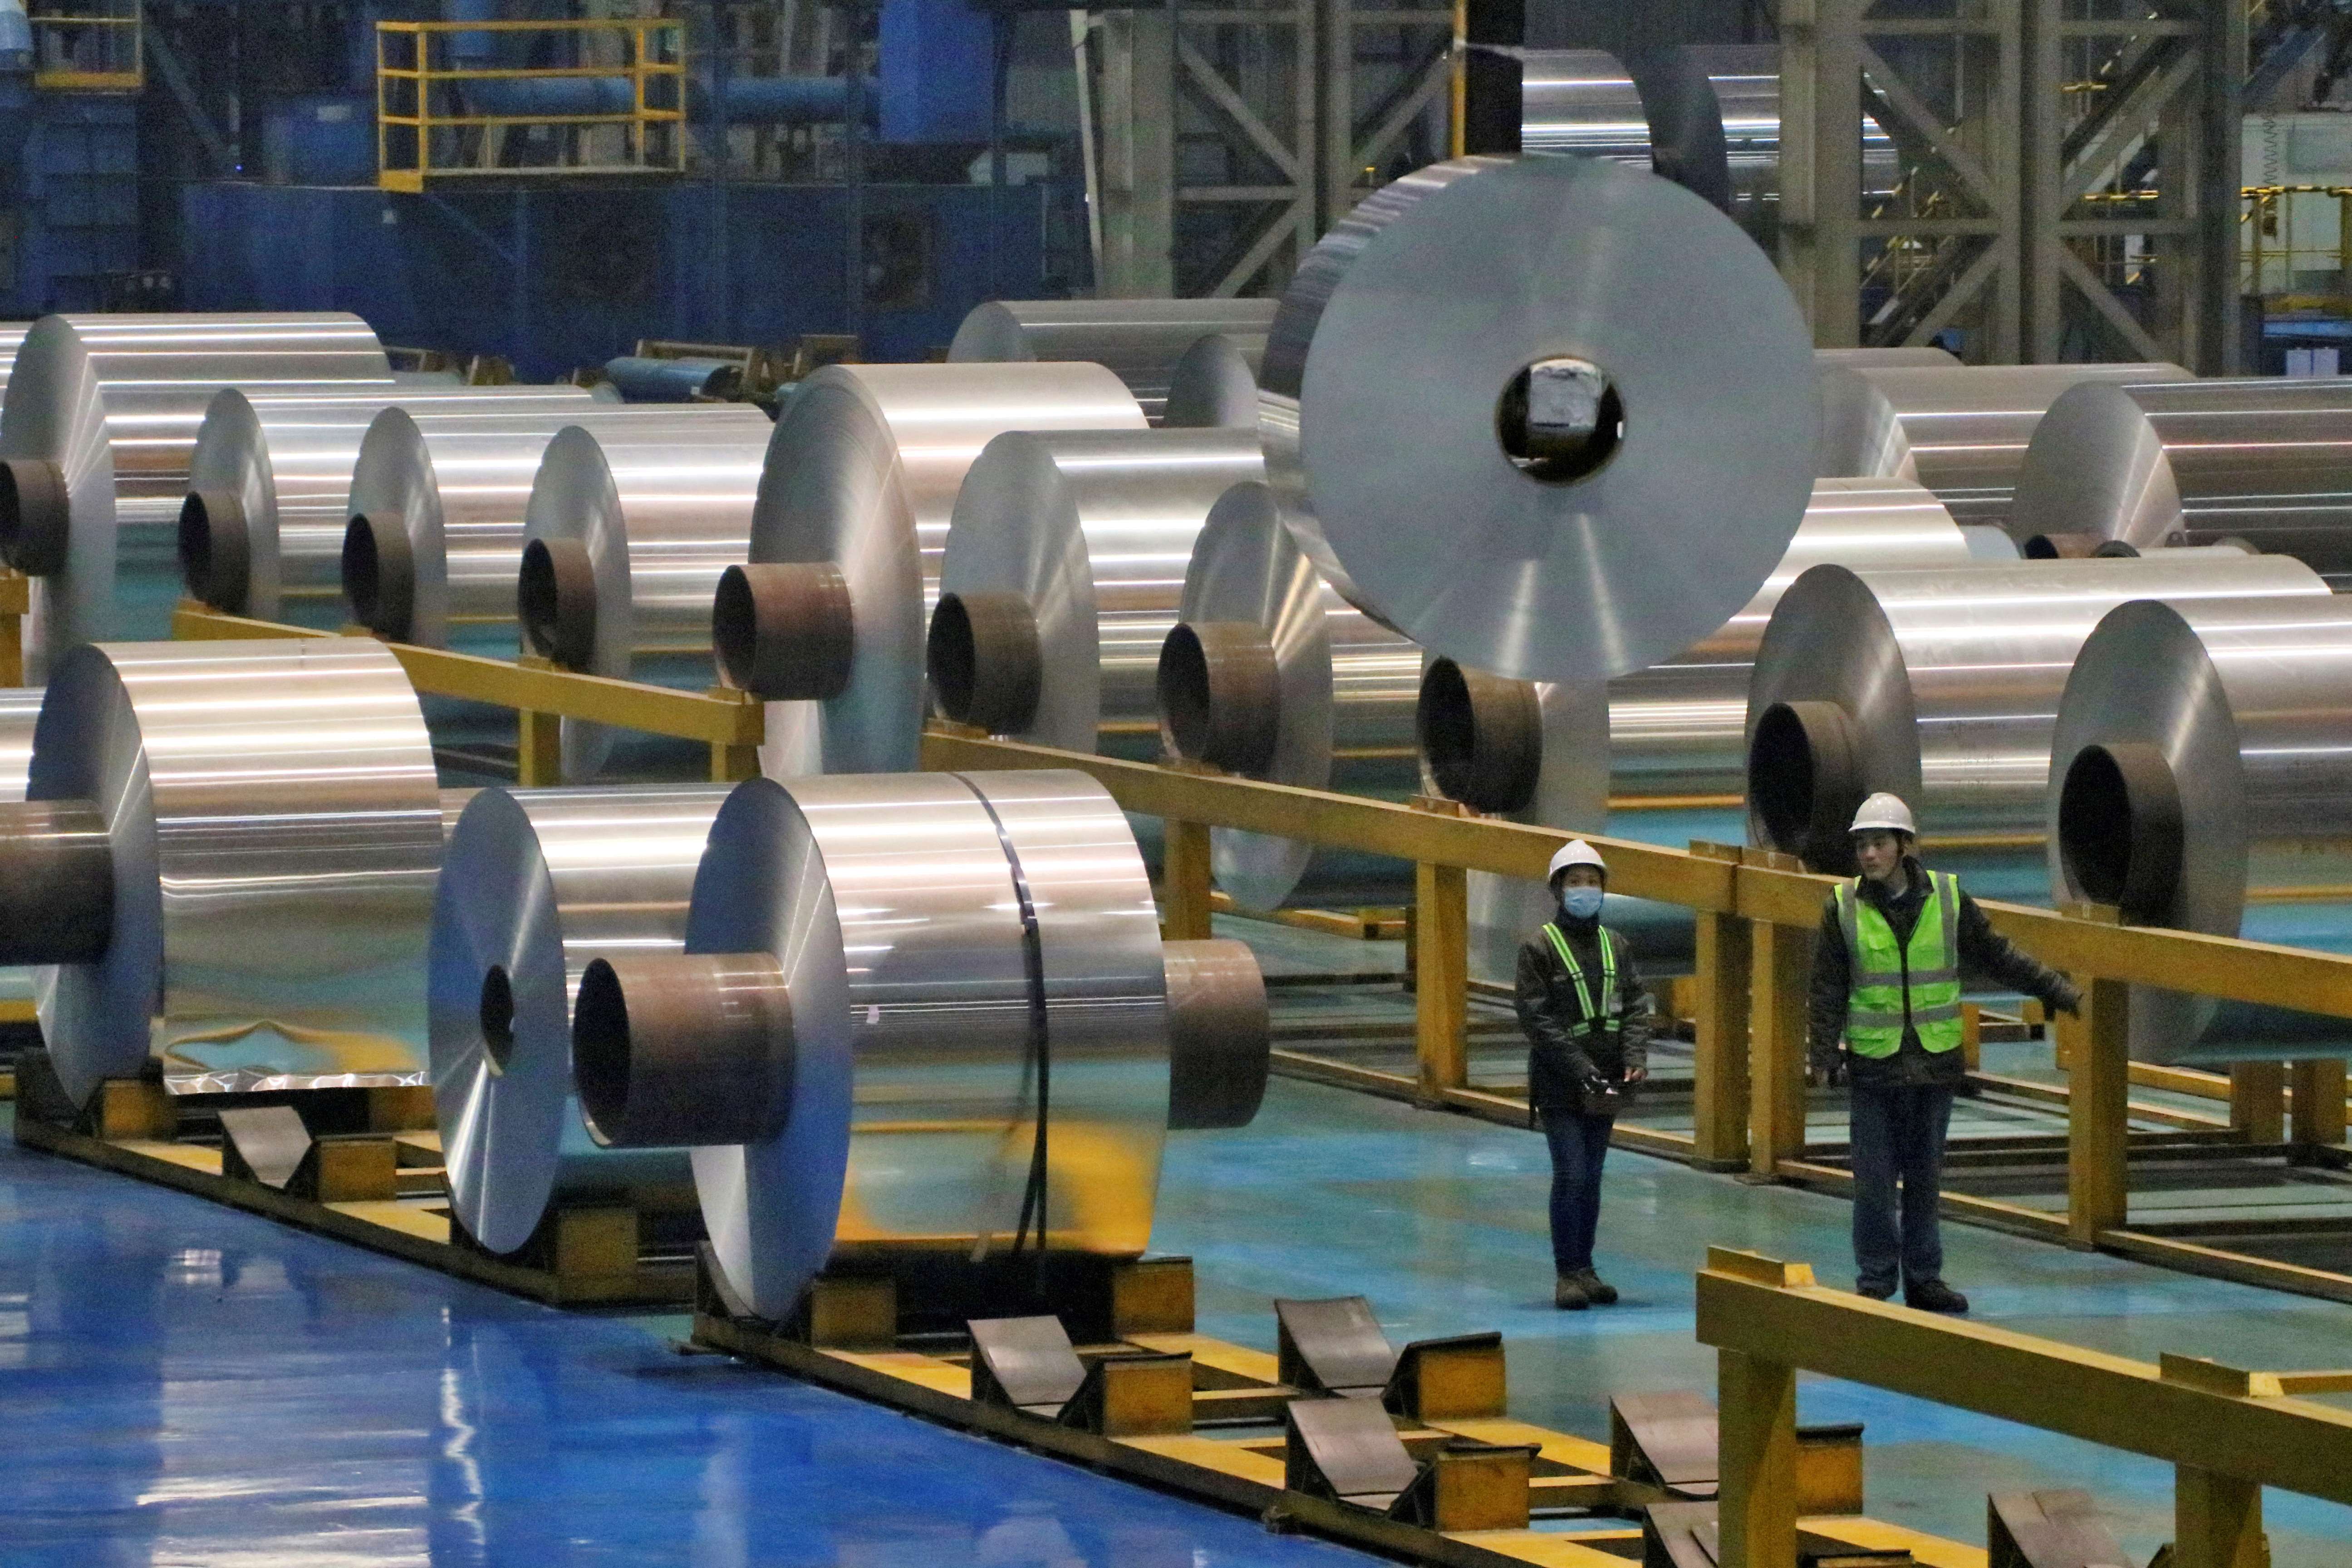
[2263, 461]
[1064, 574]
[1942, 688]
[861, 478]
[1141, 341]
[2199, 763]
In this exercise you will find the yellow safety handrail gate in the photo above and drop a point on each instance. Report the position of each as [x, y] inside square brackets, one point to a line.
[89, 46]
[425, 129]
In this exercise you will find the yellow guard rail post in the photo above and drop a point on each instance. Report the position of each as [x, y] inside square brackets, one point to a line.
[89, 46]
[2227, 1433]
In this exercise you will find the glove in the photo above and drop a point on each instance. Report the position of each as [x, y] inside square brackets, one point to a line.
[2066, 997]
[1599, 1092]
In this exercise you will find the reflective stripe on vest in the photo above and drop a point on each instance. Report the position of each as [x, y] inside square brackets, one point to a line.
[1915, 983]
[1592, 1020]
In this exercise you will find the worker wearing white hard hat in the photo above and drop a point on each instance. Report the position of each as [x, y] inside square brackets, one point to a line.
[1588, 1024]
[1886, 1015]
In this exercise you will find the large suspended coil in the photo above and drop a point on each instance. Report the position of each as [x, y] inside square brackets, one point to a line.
[1064, 574]
[96, 434]
[848, 536]
[1495, 438]
[226, 859]
[917, 1012]
[270, 483]
[2264, 462]
[538, 885]
[627, 531]
[1941, 687]
[1139, 341]
[1962, 431]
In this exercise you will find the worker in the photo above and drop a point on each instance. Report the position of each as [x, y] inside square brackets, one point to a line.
[1885, 1014]
[1588, 1024]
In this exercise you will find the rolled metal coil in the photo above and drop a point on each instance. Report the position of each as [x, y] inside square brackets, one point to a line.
[1272, 675]
[917, 1012]
[626, 532]
[20, 712]
[1063, 575]
[12, 338]
[96, 434]
[848, 536]
[1215, 385]
[438, 501]
[643, 379]
[539, 884]
[231, 848]
[2264, 462]
[1141, 341]
[1587, 469]
[2200, 761]
[1962, 432]
[1941, 687]
[261, 528]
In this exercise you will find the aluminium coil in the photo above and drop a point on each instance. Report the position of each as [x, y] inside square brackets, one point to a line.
[1141, 341]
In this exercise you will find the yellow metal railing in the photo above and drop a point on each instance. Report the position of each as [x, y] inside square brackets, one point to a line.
[87, 45]
[2269, 255]
[2227, 1432]
[426, 131]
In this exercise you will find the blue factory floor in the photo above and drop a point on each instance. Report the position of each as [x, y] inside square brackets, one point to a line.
[187, 1384]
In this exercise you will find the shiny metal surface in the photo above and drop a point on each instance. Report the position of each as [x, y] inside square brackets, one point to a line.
[1215, 385]
[1746, 83]
[115, 403]
[1680, 728]
[536, 885]
[20, 712]
[1951, 680]
[276, 833]
[893, 904]
[1582, 101]
[1962, 432]
[457, 484]
[863, 473]
[1398, 486]
[286, 460]
[1347, 684]
[12, 338]
[2266, 460]
[1139, 340]
[1093, 532]
[662, 506]
[2244, 705]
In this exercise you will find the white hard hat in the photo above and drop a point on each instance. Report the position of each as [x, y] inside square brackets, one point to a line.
[1885, 811]
[1575, 852]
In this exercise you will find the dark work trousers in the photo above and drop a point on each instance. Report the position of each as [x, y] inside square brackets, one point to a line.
[1579, 1144]
[1899, 1133]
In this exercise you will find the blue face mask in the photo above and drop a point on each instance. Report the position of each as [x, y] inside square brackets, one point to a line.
[1581, 902]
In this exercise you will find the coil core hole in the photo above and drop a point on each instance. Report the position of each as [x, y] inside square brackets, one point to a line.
[2119, 829]
[498, 1010]
[1804, 782]
[1559, 419]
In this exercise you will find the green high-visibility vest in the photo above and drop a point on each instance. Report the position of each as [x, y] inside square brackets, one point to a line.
[1610, 1016]
[1896, 984]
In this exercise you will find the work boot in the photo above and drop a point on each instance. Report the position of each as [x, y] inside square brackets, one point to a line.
[1934, 1296]
[1597, 1290]
[1871, 1291]
[1568, 1294]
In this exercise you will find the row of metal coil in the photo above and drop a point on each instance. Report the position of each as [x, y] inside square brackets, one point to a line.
[1475, 508]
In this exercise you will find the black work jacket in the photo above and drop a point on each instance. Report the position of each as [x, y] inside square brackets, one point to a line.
[1558, 1064]
[1980, 951]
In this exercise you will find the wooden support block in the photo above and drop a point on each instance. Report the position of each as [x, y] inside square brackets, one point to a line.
[133, 1108]
[1460, 1379]
[1782, 970]
[593, 1243]
[1442, 978]
[2098, 1111]
[352, 1170]
[850, 1312]
[1756, 1407]
[1140, 1396]
[2216, 1520]
[1972, 1036]
[1151, 1296]
[405, 1107]
[2258, 1101]
[1479, 1488]
[1185, 876]
[1829, 1470]
[1719, 1001]
[2316, 1090]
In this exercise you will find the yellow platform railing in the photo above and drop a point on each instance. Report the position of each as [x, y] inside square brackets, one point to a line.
[2227, 1432]
[87, 45]
[425, 131]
